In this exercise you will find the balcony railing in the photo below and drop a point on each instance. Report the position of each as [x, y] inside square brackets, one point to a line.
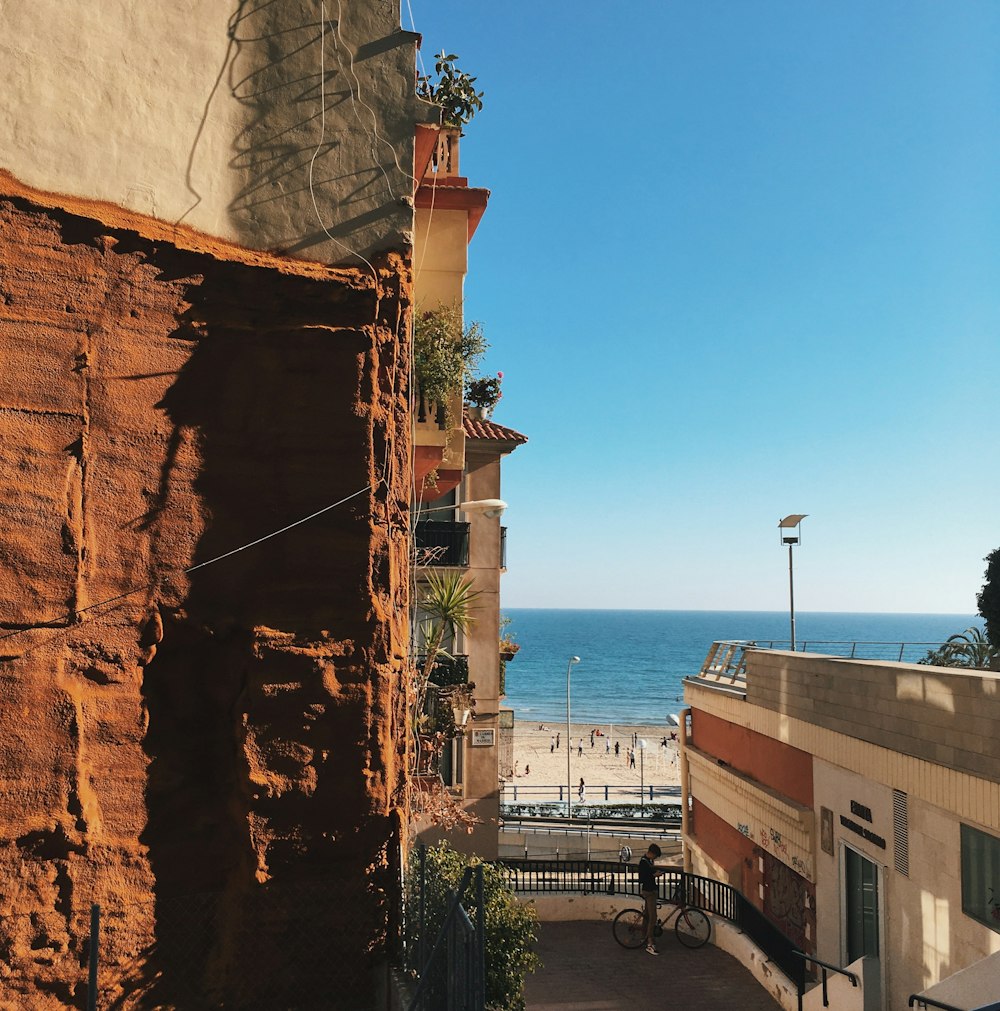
[430, 411]
[448, 670]
[442, 542]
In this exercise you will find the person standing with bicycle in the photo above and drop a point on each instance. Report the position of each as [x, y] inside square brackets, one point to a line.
[648, 874]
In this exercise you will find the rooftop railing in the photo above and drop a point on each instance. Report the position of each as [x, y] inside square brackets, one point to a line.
[727, 659]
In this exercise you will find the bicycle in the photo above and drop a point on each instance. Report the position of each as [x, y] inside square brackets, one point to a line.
[692, 926]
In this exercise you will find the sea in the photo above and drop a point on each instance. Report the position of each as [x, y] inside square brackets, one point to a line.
[632, 663]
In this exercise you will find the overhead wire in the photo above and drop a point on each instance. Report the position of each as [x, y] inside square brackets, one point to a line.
[69, 615]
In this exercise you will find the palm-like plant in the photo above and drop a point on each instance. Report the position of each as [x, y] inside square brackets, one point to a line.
[447, 604]
[970, 649]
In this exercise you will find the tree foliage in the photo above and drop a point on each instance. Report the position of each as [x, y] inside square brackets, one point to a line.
[989, 599]
[964, 649]
[511, 928]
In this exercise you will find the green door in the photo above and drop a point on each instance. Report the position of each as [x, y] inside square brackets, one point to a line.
[861, 883]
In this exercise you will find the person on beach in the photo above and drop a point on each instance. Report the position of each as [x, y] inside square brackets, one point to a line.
[527, 769]
[631, 759]
[648, 874]
[579, 749]
[557, 740]
[552, 744]
[607, 745]
[616, 749]
[581, 792]
[516, 764]
[592, 738]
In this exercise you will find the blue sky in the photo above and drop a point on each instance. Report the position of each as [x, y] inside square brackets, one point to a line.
[741, 259]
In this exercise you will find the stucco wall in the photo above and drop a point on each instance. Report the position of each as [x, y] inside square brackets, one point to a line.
[210, 113]
[214, 757]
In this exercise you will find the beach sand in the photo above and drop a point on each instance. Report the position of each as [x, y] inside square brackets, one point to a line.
[597, 767]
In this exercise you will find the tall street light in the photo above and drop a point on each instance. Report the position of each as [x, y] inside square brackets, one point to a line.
[569, 743]
[788, 531]
[641, 744]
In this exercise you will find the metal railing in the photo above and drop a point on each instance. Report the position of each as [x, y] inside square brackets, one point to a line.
[726, 659]
[826, 967]
[602, 876]
[924, 1002]
[447, 670]
[503, 547]
[442, 542]
[543, 793]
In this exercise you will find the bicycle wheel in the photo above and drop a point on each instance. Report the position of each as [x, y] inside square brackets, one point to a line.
[630, 928]
[693, 928]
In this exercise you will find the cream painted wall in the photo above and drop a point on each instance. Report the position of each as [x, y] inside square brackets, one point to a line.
[440, 259]
[209, 113]
[926, 936]
[482, 481]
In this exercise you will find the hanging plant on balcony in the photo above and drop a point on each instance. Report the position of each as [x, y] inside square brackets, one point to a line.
[483, 394]
[508, 645]
[454, 91]
[444, 352]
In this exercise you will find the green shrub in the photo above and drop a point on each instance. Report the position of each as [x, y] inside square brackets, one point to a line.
[511, 928]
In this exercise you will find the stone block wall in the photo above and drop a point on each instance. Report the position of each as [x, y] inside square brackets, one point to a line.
[214, 756]
[942, 715]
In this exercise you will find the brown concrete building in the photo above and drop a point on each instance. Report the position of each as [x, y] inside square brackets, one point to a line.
[205, 298]
[858, 804]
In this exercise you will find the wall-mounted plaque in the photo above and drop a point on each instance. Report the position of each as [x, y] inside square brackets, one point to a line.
[826, 830]
[484, 738]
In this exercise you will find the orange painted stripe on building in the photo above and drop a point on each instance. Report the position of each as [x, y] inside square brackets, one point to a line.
[773, 763]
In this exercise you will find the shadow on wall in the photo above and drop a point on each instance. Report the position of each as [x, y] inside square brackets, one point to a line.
[259, 690]
[301, 143]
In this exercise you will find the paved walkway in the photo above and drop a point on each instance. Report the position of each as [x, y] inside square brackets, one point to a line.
[585, 970]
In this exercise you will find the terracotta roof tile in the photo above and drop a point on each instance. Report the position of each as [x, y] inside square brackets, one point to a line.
[491, 430]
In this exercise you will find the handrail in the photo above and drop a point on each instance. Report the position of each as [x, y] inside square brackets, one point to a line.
[915, 999]
[824, 965]
[613, 877]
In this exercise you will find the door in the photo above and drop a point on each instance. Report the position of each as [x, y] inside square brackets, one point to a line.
[861, 906]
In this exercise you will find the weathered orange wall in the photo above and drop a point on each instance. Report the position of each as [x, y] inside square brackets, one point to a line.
[778, 765]
[215, 758]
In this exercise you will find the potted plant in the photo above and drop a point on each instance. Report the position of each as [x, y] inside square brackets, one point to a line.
[508, 646]
[455, 91]
[444, 351]
[482, 395]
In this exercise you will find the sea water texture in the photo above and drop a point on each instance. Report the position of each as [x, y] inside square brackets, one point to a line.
[632, 663]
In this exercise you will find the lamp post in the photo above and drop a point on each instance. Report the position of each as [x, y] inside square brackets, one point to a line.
[488, 507]
[788, 531]
[641, 744]
[569, 745]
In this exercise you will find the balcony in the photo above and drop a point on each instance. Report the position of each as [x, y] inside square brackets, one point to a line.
[448, 670]
[442, 543]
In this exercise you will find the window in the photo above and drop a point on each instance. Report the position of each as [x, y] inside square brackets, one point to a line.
[981, 877]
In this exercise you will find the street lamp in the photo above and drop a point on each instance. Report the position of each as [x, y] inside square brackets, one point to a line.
[569, 745]
[641, 744]
[789, 533]
[488, 507]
